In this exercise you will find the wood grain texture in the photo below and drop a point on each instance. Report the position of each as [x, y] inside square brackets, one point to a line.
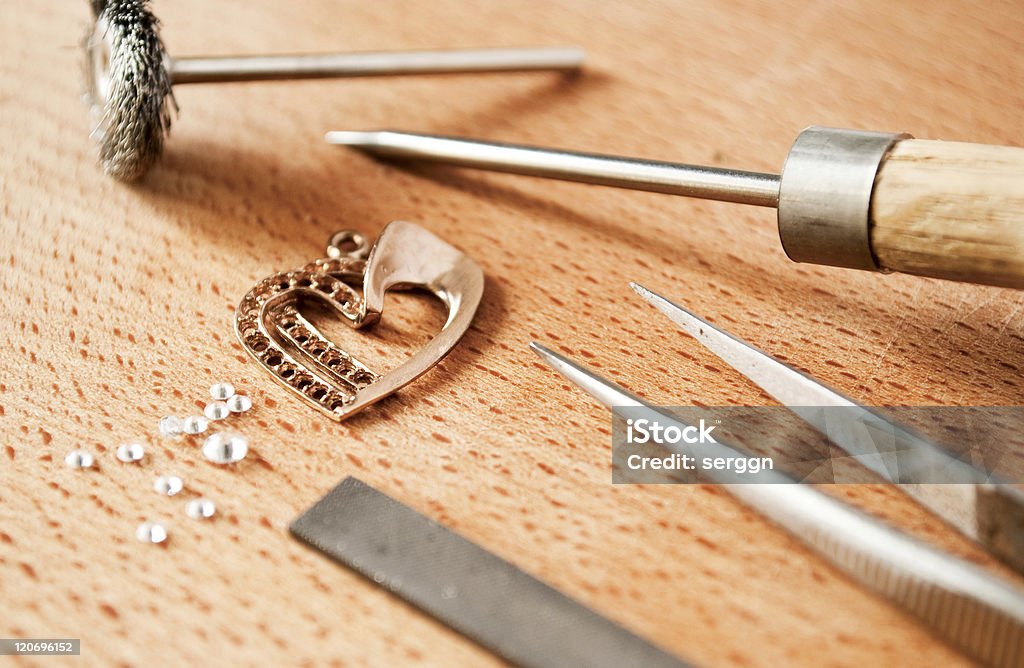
[118, 304]
[951, 210]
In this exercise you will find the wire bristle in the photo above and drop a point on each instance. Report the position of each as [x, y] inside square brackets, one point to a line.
[133, 104]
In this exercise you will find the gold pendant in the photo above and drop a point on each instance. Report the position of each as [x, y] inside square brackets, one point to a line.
[272, 329]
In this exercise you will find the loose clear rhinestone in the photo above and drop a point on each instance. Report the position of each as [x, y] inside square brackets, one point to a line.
[222, 391]
[151, 532]
[194, 424]
[239, 403]
[168, 485]
[216, 410]
[170, 426]
[79, 459]
[226, 447]
[130, 452]
[200, 509]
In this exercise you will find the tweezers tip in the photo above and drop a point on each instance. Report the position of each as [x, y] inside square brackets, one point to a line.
[653, 297]
[559, 363]
[641, 290]
[545, 353]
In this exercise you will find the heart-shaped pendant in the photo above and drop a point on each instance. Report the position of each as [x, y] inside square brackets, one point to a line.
[272, 329]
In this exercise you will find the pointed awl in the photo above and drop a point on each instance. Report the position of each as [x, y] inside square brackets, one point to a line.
[846, 198]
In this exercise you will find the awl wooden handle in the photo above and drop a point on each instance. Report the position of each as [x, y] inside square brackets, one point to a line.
[888, 202]
[951, 210]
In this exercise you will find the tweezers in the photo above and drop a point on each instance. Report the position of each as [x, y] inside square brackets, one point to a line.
[972, 609]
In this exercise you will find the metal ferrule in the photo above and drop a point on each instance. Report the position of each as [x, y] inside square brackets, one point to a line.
[825, 196]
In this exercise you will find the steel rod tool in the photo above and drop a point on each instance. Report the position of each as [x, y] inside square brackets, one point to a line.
[205, 69]
[845, 198]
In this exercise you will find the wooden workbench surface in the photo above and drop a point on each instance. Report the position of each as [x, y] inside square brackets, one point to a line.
[118, 304]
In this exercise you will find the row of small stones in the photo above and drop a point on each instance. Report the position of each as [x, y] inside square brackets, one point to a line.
[304, 382]
[317, 275]
[329, 286]
[248, 310]
[220, 448]
[330, 356]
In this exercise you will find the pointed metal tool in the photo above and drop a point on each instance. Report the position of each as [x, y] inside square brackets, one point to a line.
[725, 185]
[980, 614]
[878, 201]
[991, 514]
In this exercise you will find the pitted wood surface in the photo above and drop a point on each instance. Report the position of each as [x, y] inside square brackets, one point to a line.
[118, 304]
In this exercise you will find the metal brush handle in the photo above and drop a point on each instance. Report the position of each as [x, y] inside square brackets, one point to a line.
[371, 63]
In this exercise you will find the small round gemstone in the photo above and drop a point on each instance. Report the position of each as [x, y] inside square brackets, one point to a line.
[216, 410]
[130, 452]
[194, 424]
[239, 403]
[200, 509]
[226, 447]
[170, 426]
[168, 485]
[79, 459]
[151, 532]
[221, 391]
